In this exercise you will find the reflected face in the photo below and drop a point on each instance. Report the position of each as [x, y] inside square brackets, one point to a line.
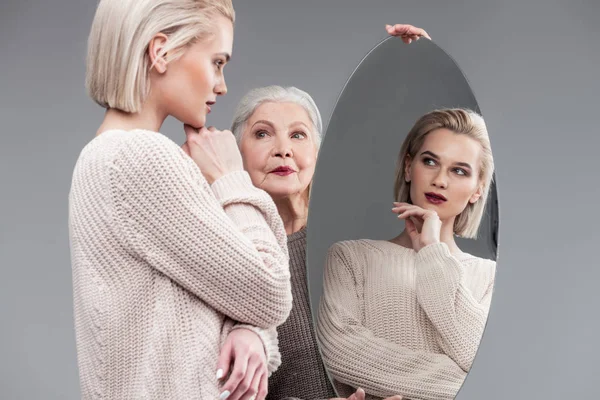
[444, 173]
[279, 149]
[193, 81]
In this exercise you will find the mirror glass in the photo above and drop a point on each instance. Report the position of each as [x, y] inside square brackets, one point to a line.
[400, 308]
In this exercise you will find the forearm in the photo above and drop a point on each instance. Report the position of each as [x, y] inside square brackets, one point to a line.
[458, 316]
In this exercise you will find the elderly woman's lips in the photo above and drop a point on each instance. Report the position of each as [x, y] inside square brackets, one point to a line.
[283, 171]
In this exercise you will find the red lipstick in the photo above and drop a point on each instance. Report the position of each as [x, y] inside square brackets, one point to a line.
[283, 171]
[435, 198]
[208, 104]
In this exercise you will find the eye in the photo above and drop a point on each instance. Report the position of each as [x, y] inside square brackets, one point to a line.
[260, 134]
[299, 135]
[429, 161]
[219, 63]
[461, 172]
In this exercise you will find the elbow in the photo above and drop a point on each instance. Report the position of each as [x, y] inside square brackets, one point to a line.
[277, 308]
[280, 308]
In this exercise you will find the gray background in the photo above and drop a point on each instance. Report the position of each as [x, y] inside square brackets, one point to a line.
[352, 191]
[530, 65]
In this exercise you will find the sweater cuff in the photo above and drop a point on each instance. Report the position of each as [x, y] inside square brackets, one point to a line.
[231, 185]
[433, 254]
[270, 344]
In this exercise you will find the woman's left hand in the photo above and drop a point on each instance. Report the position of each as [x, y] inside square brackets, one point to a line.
[414, 216]
[408, 33]
[243, 354]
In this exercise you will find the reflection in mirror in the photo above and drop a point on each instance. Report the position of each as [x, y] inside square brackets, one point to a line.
[402, 290]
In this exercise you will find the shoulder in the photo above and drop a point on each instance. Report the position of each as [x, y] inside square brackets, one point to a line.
[358, 250]
[152, 146]
[478, 266]
[142, 152]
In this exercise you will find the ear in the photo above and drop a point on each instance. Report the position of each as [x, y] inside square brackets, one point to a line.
[407, 166]
[475, 196]
[158, 60]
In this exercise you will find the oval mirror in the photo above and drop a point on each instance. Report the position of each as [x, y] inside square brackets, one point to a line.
[400, 308]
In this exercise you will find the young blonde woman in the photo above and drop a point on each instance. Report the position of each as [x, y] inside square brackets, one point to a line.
[413, 309]
[172, 248]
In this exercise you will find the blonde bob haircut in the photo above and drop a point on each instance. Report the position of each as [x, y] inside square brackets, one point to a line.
[118, 65]
[462, 122]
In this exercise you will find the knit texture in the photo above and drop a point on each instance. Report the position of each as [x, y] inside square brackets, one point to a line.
[301, 374]
[163, 264]
[394, 321]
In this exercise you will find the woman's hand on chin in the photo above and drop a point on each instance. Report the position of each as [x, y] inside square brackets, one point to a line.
[215, 152]
[423, 226]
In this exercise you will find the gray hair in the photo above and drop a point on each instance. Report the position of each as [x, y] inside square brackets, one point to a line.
[277, 94]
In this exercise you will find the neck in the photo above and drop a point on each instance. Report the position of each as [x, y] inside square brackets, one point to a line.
[446, 236]
[149, 118]
[293, 211]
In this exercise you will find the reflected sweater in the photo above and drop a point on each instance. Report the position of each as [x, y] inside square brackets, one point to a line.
[163, 264]
[301, 374]
[394, 321]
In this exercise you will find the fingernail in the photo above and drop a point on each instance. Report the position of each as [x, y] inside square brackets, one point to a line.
[219, 373]
[224, 395]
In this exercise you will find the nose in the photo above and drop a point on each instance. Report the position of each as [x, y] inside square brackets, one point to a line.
[221, 87]
[283, 149]
[440, 180]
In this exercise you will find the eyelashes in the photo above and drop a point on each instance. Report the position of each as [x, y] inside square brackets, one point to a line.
[219, 64]
[430, 162]
[261, 134]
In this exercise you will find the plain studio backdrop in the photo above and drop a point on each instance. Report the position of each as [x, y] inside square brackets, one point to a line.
[531, 67]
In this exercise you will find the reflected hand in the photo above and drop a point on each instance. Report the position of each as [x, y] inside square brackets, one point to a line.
[408, 33]
[423, 226]
[360, 395]
[215, 152]
[243, 355]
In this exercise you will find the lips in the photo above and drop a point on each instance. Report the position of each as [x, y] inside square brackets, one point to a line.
[283, 171]
[435, 198]
[208, 104]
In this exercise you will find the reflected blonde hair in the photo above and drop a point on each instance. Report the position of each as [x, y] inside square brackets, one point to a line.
[463, 122]
[118, 65]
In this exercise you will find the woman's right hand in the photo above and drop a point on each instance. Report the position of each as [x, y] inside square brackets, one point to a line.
[215, 152]
[360, 395]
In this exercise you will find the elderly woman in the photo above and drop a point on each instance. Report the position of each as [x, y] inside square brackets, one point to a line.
[279, 132]
[414, 308]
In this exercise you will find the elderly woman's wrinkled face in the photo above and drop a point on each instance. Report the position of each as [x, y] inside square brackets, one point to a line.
[279, 149]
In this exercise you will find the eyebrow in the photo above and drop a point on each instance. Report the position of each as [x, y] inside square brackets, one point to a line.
[433, 155]
[266, 122]
[263, 121]
[226, 55]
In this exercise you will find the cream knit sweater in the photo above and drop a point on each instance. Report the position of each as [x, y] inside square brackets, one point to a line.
[394, 321]
[163, 264]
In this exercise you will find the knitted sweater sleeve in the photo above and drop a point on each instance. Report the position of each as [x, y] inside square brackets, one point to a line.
[457, 313]
[356, 357]
[225, 244]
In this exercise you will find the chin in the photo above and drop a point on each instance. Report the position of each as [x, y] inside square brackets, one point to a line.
[196, 121]
[279, 192]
